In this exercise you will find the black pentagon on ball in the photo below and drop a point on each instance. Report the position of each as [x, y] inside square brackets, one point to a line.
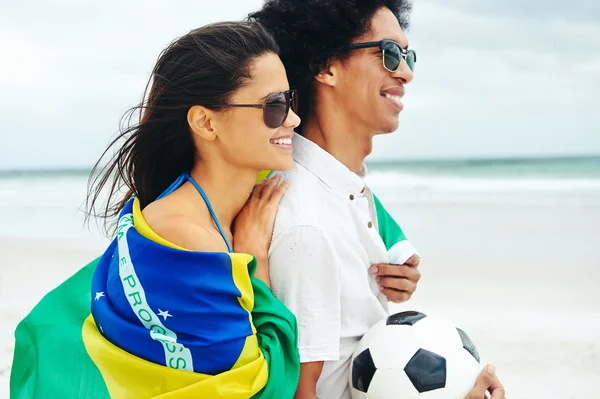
[407, 318]
[363, 370]
[426, 370]
[468, 344]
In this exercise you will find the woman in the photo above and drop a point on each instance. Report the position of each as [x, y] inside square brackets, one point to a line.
[179, 308]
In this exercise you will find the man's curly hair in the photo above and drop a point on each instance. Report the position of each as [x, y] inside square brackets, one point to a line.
[312, 33]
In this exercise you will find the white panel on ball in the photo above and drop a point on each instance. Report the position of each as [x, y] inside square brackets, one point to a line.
[437, 335]
[442, 393]
[356, 394]
[367, 339]
[462, 371]
[394, 347]
[390, 384]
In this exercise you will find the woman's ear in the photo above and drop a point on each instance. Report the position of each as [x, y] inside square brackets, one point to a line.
[200, 120]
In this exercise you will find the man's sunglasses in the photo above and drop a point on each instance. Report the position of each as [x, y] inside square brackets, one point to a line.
[392, 54]
[275, 108]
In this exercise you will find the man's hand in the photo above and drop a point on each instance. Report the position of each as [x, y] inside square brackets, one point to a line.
[398, 282]
[487, 382]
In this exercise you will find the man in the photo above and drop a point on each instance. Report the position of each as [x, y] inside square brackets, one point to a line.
[350, 61]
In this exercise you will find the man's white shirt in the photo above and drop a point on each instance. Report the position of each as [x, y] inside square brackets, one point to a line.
[324, 241]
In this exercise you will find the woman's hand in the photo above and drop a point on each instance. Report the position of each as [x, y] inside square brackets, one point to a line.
[253, 228]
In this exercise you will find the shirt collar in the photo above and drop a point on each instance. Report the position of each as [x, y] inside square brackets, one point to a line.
[327, 168]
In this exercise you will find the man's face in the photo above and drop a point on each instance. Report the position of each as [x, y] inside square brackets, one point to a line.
[369, 93]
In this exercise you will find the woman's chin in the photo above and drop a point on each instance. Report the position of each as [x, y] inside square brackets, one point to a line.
[283, 164]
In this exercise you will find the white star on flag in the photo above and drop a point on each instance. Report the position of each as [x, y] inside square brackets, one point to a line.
[164, 314]
[99, 295]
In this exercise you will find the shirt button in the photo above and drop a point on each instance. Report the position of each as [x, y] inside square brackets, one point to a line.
[351, 197]
[363, 190]
[370, 224]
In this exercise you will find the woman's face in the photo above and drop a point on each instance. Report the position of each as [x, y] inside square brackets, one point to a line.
[243, 137]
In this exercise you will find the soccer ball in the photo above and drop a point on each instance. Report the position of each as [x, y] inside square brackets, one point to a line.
[413, 356]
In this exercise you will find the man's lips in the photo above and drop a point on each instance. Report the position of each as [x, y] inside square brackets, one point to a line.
[397, 91]
[394, 95]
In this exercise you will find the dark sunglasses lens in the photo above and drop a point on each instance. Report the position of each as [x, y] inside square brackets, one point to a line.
[411, 59]
[276, 110]
[391, 56]
[294, 101]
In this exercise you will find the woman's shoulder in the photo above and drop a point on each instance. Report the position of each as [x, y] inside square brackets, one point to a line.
[174, 224]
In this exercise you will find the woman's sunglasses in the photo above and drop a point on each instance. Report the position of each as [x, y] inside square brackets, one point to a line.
[275, 108]
[392, 54]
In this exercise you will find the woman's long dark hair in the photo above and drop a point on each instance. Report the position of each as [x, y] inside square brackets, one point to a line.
[205, 66]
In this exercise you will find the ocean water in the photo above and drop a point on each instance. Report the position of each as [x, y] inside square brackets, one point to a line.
[544, 168]
[50, 203]
[517, 181]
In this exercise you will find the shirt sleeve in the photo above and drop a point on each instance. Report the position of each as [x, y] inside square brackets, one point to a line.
[398, 246]
[305, 276]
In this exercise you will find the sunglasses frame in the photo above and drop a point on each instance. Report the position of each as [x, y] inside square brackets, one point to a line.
[404, 52]
[291, 102]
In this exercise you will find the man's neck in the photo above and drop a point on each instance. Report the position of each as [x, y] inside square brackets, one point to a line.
[344, 142]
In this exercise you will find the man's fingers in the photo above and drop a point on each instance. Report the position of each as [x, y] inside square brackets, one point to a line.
[396, 271]
[394, 295]
[398, 284]
[497, 389]
[484, 382]
[413, 261]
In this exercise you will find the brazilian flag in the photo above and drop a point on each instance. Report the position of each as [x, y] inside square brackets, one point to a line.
[139, 322]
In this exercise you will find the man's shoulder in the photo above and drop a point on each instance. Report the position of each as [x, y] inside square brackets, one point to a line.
[305, 203]
[301, 177]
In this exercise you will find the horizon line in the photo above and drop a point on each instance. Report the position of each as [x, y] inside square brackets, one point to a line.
[446, 160]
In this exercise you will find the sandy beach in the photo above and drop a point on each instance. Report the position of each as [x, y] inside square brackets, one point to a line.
[521, 277]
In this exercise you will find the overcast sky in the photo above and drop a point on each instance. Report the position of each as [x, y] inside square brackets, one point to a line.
[493, 78]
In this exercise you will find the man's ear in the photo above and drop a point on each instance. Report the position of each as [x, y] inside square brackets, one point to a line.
[329, 74]
[200, 120]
